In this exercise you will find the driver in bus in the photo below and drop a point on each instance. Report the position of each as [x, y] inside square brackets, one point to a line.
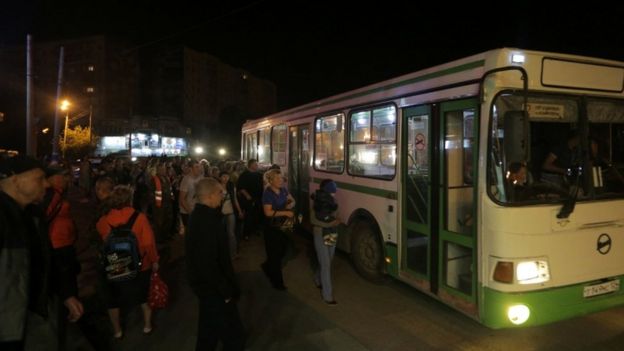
[520, 189]
[560, 160]
[517, 178]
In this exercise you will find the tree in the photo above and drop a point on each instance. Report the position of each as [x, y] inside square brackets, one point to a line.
[78, 144]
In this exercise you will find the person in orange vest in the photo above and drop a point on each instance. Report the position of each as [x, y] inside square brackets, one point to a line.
[160, 204]
[132, 292]
[62, 232]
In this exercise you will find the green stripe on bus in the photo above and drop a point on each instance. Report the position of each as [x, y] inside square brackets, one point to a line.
[452, 70]
[386, 194]
[546, 306]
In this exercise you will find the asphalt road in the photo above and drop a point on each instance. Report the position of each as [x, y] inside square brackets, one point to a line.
[368, 316]
[392, 316]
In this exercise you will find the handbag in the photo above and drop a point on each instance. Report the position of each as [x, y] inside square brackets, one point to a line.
[158, 292]
[284, 224]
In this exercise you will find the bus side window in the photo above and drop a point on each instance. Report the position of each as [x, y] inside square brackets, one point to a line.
[372, 143]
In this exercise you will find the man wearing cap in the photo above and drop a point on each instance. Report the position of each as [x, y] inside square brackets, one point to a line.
[24, 252]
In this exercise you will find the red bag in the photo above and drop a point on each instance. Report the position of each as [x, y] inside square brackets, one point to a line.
[158, 292]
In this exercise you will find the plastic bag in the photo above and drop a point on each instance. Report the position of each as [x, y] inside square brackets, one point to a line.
[158, 292]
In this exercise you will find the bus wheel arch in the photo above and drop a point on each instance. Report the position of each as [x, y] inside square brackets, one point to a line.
[366, 246]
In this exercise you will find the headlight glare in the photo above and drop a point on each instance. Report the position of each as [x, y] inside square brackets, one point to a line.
[518, 314]
[532, 272]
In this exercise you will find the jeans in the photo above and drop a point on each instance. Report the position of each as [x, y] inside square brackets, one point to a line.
[324, 254]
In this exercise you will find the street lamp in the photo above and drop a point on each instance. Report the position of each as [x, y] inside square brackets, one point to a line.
[65, 107]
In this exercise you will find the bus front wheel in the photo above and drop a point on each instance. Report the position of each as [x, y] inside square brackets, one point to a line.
[367, 252]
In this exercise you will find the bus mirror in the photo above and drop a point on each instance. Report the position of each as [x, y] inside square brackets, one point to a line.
[515, 134]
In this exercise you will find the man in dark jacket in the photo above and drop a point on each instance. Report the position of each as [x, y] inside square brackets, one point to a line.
[250, 189]
[24, 250]
[210, 272]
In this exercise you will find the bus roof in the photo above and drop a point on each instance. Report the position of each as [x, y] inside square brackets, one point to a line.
[469, 68]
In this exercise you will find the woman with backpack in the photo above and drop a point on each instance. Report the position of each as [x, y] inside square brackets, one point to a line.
[127, 284]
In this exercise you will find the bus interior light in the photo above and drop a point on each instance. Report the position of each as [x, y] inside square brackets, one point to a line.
[503, 272]
[532, 272]
[518, 314]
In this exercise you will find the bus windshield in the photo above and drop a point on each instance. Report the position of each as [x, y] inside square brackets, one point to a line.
[570, 146]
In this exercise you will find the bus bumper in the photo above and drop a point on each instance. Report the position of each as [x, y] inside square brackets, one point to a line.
[546, 306]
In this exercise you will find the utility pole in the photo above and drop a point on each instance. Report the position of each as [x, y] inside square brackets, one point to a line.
[57, 130]
[31, 146]
[90, 125]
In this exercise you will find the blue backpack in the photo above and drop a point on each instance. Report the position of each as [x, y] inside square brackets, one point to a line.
[120, 253]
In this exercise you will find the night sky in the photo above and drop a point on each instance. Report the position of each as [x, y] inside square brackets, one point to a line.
[314, 49]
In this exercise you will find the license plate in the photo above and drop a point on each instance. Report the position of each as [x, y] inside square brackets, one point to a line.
[602, 288]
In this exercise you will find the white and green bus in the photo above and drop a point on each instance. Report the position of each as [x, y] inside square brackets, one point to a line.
[426, 168]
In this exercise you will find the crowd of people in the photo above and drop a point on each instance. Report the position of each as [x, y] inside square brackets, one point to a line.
[215, 208]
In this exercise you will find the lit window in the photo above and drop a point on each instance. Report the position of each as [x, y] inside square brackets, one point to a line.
[264, 146]
[91, 68]
[372, 143]
[278, 144]
[329, 145]
[90, 89]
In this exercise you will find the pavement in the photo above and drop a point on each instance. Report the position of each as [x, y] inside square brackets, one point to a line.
[274, 320]
[391, 316]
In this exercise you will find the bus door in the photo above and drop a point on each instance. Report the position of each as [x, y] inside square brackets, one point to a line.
[298, 163]
[416, 199]
[457, 219]
[439, 214]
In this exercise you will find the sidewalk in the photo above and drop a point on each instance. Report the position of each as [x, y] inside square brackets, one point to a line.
[95, 324]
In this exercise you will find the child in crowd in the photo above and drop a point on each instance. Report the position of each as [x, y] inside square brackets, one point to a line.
[324, 209]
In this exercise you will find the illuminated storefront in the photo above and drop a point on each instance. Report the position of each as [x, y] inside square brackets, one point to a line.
[142, 145]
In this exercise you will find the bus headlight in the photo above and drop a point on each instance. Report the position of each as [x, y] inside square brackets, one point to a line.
[518, 314]
[532, 272]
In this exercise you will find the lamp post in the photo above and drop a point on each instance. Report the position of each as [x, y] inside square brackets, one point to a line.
[90, 116]
[65, 107]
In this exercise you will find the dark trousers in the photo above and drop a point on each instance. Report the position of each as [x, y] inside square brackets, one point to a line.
[252, 217]
[12, 345]
[185, 218]
[275, 243]
[219, 321]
